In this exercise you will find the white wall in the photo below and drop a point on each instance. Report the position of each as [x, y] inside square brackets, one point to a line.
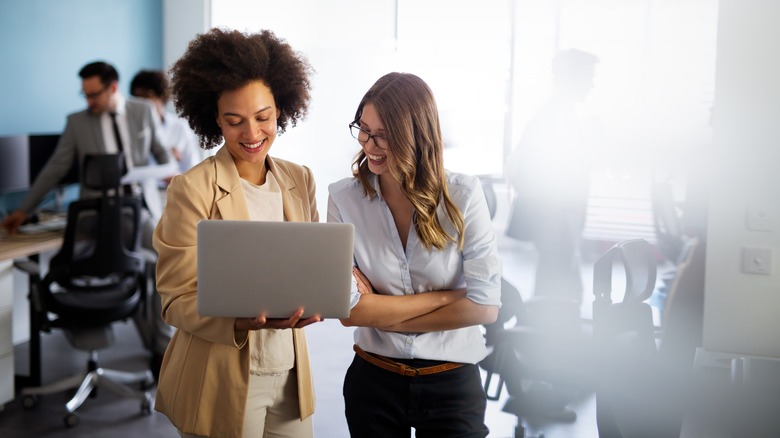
[350, 44]
[741, 310]
[182, 20]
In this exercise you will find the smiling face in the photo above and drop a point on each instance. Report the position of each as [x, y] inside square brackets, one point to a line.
[247, 117]
[376, 154]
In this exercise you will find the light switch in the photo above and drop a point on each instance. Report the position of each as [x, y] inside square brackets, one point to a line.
[759, 218]
[757, 261]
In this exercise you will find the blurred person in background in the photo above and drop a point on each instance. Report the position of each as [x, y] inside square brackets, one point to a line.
[550, 172]
[153, 86]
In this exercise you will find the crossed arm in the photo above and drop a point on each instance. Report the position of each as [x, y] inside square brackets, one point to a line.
[419, 313]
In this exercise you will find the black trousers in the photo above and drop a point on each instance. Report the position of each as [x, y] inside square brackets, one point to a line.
[380, 403]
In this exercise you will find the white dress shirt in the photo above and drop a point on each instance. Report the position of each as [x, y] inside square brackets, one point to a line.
[380, 255]
[177, 134]
[124, 131]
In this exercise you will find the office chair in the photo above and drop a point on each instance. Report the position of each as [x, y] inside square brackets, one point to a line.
[635, 390]
[97, 278]
[545, 349]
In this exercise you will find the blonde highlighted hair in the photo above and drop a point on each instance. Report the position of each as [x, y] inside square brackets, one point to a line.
[408, 111]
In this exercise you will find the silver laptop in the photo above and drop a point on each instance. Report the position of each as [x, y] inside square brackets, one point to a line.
[248, 267]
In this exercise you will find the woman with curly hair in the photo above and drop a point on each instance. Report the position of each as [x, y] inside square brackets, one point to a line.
[234, 377]
[427, 267]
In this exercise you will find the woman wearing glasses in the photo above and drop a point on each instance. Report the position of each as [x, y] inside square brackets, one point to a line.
[427, 269]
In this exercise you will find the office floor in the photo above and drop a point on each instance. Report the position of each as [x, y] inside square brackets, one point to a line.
[330, 347]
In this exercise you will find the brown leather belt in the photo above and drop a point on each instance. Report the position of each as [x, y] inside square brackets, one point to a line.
[403, 369]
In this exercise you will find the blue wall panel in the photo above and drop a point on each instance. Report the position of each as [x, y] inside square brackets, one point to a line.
[43, 44]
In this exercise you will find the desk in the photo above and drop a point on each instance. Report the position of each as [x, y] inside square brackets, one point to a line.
[15, 247]
[24, 245]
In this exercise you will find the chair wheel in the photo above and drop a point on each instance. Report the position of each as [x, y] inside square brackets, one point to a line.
[146, 405]
[29, 401]
[71, 420]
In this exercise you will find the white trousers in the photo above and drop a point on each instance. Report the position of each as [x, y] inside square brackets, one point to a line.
[272, 409]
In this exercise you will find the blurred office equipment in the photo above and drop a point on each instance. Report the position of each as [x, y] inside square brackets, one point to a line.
[756, 389]
[24, 156]
[735, 395]
[14, 166]
[42, 147]
[97, 278]
[683, 312]
[539, 352]
[637, 392]
[669, 236]
[667, 221]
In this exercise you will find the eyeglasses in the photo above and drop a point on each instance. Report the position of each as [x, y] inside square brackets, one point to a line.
[363, 136]
[94, 95]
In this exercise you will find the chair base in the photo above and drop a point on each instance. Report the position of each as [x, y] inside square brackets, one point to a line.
[113, 380]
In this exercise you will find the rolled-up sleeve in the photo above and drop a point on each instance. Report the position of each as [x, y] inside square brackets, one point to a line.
[481, 261]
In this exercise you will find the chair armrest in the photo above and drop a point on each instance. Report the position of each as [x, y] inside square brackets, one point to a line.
[33, 269]
[28, 266]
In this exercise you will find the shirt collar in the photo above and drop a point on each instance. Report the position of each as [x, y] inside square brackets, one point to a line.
[373, 179]
[120, 100]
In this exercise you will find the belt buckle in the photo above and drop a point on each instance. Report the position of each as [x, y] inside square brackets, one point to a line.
[409, 371]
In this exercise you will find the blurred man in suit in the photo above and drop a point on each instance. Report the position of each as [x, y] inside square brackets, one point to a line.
[550, 172]
[112, 124]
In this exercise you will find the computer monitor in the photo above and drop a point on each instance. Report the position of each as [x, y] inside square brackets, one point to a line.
[14, 164]
[41, 149]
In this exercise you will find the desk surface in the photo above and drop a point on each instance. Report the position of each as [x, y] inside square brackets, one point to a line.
[22, 245]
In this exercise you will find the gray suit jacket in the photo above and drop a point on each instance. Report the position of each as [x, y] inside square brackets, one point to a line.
[83, 135]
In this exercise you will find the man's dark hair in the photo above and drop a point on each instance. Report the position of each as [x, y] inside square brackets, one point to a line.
[104, 70]
[150, 83]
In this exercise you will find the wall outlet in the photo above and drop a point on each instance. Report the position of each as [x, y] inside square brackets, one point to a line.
[757, 261]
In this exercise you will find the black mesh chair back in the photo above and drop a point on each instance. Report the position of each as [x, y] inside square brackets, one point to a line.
[634, 395]
[98, 277]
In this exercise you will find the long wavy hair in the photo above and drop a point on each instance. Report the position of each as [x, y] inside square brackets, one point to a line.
[408, 111]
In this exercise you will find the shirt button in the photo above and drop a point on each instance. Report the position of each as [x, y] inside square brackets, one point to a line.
[403, 266]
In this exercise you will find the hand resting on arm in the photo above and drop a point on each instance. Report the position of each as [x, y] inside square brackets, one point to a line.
[425, 312]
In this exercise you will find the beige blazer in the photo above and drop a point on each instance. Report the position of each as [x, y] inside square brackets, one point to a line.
[205, 372]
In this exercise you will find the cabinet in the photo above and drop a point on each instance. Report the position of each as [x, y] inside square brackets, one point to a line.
[6, 331]
[16, 247]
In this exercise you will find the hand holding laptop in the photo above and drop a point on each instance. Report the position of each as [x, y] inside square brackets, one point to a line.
[261, 322]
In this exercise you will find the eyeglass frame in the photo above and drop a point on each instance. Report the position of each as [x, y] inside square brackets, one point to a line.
[370, 136]
[93, 95]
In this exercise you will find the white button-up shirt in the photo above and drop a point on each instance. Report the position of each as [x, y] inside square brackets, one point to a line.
[380, 255]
